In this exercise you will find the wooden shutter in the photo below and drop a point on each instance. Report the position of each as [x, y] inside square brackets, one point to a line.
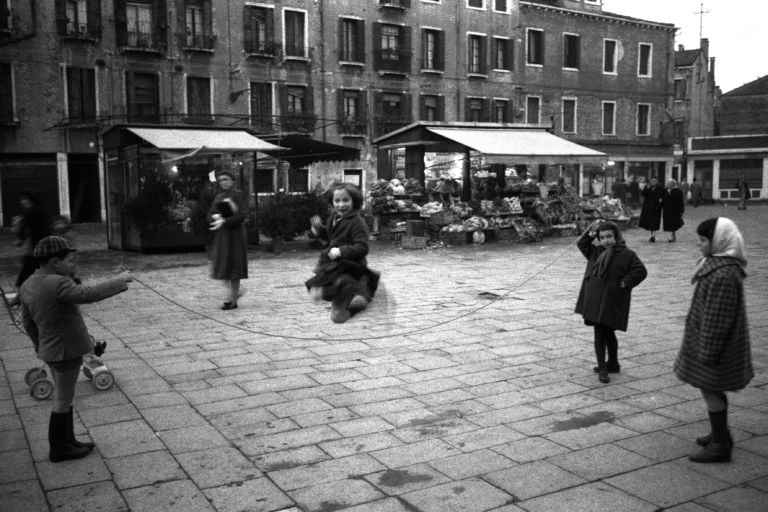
[405, 49]
[161, 25]
[406, 109]
[89, 94]
[248, 34]
[340, 117]
[207, 21]
[269, 22]
[360, 44]
[467, 111]
[74, 90]
[511, 54]
[378, 103]
[340, 38]
[376, 45]
[440, 50]
[181, 25]
[309, 100]
[94, 18]
[440, 108]
[121, 23]
[61, 18]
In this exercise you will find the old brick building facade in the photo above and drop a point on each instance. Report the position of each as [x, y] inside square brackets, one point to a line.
[344, 72]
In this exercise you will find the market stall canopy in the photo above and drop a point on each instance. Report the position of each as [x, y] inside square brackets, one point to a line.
[302, 150]
[504, 144]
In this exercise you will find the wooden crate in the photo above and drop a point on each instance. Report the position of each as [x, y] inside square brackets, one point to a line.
[441, 218]
[565, 232]
[414, 242]
[414, 228]
[454, 237]
[506, 235]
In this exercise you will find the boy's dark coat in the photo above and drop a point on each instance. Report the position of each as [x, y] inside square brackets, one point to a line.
[601, 301]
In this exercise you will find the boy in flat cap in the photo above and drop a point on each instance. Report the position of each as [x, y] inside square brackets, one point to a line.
[52, 318]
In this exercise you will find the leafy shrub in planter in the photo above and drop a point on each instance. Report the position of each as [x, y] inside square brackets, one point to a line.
[148, 210]
[285, 216]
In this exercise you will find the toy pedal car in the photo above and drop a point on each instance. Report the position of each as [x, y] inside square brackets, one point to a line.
[95, 370]
[40, 385]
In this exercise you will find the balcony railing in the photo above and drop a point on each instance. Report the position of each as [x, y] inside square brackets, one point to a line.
[268, 49]
[353, 126]
[394, 4]
[140, 35]
[198, 41]
[77, 29]
[304, 123]
[385, 124]
[396, 61]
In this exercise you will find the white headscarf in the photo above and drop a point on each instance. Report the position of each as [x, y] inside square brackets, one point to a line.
[727, 241]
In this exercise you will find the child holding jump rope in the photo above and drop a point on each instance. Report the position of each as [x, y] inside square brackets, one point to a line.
[342, 274]
[52, 318]
[613, 270]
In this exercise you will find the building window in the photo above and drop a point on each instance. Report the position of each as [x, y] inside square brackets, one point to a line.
[680, 87]
[476, 54]
[259, 30]
[81, 95]
[139, 25]
[534, 47]
[476, 4]
[390, 42]
[501, 111]
[7, 111]
[502, 6]
[297, 109]
[533, 110]
[392, 111]
[568, 115]
[354, 176]
[391, 104]
[197, 33]
[6, 20]
[610, 56]
[298, 180]
[352, 112]
[142, 95]
[295, 34]
[432, 49]
[295, 100]
[432, 108]
[352, 40]
[609, 118]
[502, 53]
[199, 99]
[644, 63]
[77, 17]
[391, 47]
[261, 106]
[476, 110]
[643, 119]
[571, 51]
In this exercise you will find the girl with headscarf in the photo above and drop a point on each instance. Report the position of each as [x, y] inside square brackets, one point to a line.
[613, 270]
[715, 354]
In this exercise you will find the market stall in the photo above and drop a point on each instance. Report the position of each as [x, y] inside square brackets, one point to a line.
[477, 182]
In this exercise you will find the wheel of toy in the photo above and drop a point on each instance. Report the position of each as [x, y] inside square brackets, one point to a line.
[34, 374]
[87, 372]
[103, 380]
[41, 389]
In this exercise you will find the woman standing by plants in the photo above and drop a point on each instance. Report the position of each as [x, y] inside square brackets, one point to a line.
[229, 254]
[715, 354]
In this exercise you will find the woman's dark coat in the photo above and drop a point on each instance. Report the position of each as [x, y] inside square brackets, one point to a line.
[601, 300]
[673, 206]
[650, 215]
[229, 254]
[715, 353]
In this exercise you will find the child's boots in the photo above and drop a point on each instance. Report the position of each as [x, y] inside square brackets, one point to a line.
[60, 429]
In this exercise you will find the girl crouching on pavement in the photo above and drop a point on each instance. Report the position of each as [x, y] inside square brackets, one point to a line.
[613, 270]
[342, 274]
[715, 354]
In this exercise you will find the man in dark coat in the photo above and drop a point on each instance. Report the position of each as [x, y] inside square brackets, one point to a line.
[613, 270]
[673, 206]
[650, 215]
[743, 186]
[697, 193]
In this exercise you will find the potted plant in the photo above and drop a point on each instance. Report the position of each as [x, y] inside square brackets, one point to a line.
[277, 219]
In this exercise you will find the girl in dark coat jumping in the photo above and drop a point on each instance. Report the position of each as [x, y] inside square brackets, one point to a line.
[613, 270]
[342, 274]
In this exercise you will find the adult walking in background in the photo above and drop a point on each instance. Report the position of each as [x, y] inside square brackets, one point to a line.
[633, 190]
[31, 226]
[685, 188]
[673, 207]
[650, 215]
[744, 194]
[697, 194]
[229, 255]
[715, 354]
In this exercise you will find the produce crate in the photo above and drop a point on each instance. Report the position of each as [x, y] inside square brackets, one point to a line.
[454, 237]
[506, 235]
[441, 218]
[565, 232]
[414, 242]
[414, 228]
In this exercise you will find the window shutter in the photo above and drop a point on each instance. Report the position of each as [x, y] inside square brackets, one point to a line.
[340, 39]
[161, 25]
[406, 109]
[543, 47]
[270, 24]
[362, 106]
[61, 18]
[340, 117]
[121, 23]
[422, 107]
[283, 100]
[440, 50]
[360, 41]
[74, 88]
[89, 94]
[207, 18]
[181, 25]
[467, 111]
[309, 100]
[405, 48]
[378, 103]
[511, 54]
[440, 108]
[377, 45]
[484, 54]
[248, 35]
[486, 115]
[94, 18]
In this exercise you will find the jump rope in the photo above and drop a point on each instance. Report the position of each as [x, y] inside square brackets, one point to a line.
[377, 337]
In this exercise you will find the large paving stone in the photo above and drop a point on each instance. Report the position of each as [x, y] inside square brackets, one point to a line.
[469, 495]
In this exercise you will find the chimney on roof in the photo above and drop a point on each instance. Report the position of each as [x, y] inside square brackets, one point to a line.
[712, 68]
[680, 47]
[704, 46]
